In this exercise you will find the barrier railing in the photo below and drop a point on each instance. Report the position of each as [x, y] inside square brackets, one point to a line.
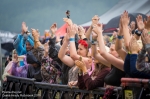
[135, 88]
[24, 88]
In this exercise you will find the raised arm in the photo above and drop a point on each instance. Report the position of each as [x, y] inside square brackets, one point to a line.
[62, 53]
[95, 20]
[73, 52]
[112, 60]
[141, 64]
[125, 29]
[95, 53]
[88, 32]
[38, 49]
[19, 43]
[72, 30]
[81, 32]
[118, 45]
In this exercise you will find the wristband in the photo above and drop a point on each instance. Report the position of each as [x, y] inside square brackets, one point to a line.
[27, 32]
[138, 33]
[120, 37]
[72, 39]
[148, 32]
[93, 42]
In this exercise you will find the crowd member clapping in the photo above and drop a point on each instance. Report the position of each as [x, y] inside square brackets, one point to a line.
[142, 64]
[132, 47]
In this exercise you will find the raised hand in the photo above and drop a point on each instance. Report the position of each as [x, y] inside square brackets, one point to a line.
[68, 21]
[95, 20]
[81, 31]
[35, 34]
[125, 19]
[72, 30]
[97, 28]
[94, 36]
[58, 37]
[120, 32]
[66, 38]
[53, 28]
[145, 37]
[24, 27]
[147, 23]
[140, 22]
[46, 47]
[133, 46]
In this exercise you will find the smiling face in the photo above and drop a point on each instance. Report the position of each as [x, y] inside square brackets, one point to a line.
[28, 46]
[15, 56]
[82, 50]
[113, 51]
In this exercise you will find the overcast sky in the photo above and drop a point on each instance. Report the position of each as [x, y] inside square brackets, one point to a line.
[40, 14]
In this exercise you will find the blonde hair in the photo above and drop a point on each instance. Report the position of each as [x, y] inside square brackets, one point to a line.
[14, 51]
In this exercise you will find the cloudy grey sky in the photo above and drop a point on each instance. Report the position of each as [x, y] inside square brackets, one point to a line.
[40, 14]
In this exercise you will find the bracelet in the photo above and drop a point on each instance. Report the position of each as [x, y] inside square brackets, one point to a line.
[72, 39]
[138, 33]
[26, 32]
[119, 37]
[93, 42]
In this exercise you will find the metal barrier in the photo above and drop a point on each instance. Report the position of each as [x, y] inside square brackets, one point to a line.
[25, 88]
[135, 88]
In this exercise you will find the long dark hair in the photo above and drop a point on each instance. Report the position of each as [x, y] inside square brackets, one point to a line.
[98, 68]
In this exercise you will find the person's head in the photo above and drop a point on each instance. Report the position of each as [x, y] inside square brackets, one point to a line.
[31, 59]
[113, 51]
[14, 54]
[133, 25]
[29, 43]
[83, 48]
[106, 39]
[28, 46]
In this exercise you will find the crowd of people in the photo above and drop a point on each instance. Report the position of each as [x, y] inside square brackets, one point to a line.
[87, 59]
